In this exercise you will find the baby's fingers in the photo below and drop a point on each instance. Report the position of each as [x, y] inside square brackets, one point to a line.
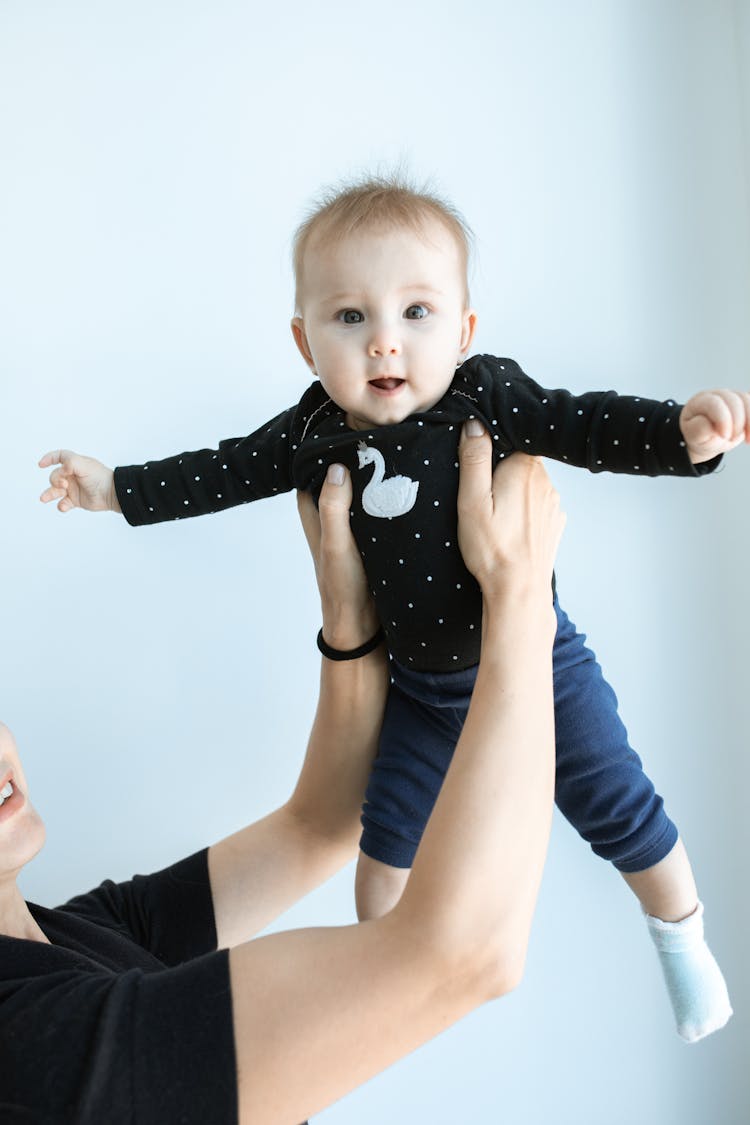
[54, 457]
[53, 493]
[730, 414]
[720, 412]
[745, 396]
[735, 407]
[58, 486]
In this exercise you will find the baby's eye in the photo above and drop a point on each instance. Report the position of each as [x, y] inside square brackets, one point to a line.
[415, 312]
[350, 316]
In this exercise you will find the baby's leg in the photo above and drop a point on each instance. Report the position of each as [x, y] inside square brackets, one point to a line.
[378, 887]
[674, 915]
[423, 720]
[667, 889]
[603, 791]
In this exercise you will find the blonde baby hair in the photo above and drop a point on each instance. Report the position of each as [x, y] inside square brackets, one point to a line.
[377, 201]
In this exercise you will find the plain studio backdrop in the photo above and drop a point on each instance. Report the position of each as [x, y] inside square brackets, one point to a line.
[161, 682]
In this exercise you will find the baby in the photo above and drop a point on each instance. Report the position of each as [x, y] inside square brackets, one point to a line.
[384, 323]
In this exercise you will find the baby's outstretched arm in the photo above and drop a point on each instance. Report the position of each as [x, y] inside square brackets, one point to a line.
[713, 422]
[79, 482]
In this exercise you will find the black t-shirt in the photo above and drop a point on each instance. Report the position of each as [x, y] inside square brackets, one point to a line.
[126, 1016]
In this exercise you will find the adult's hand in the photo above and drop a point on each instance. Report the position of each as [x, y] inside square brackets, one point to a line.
[349, 617]
[509, 521]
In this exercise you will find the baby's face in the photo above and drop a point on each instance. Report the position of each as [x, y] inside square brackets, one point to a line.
[383, 320]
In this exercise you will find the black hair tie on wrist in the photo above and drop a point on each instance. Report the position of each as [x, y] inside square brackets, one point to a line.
[352, 653]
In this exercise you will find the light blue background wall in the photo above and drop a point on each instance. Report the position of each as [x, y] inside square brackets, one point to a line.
[155, 159]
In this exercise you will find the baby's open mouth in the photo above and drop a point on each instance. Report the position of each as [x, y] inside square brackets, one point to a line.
[386, 383]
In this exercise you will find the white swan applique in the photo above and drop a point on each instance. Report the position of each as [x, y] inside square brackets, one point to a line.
[385, 498]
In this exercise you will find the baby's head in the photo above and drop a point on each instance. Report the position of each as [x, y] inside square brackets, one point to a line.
[382, 311]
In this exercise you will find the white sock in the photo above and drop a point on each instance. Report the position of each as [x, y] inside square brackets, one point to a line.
[694, 981]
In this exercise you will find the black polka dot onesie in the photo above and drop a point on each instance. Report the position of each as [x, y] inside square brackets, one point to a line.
[405, 479]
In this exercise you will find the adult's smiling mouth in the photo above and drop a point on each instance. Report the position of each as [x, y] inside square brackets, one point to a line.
[11, 797]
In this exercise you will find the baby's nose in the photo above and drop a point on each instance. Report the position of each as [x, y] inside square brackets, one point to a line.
[384, 343]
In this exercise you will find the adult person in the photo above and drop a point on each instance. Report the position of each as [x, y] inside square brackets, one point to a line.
[118, 1007]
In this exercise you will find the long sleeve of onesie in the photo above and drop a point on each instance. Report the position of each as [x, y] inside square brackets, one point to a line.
[405, 483]
[601, 431]
[210, 480]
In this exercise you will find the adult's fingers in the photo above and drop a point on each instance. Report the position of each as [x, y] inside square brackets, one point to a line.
[334, 504]
[348, 613]
[508, 517]
[519, 472]
[310, 521]
[326, 526]
[475, 476]
[527, 507]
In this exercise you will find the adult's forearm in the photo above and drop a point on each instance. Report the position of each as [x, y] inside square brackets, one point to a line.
[477, 872]
[342, 746]
[262, 870]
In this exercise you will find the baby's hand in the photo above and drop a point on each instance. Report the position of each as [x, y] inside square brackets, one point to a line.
[80, 482]
[714, 422]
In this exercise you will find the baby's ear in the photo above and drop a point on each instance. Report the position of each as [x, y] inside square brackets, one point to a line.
[300, 339]
[468, 328]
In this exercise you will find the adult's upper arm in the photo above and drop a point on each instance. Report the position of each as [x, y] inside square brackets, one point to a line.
[169, 913]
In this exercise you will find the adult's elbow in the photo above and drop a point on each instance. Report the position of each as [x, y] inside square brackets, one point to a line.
[482, 962]
[484, 974]
[504, 972]
[339, 834]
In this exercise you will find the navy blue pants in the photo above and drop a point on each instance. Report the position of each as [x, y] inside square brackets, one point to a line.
[600, 785]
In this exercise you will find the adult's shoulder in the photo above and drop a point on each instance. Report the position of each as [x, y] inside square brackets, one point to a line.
[168, 913]
[85, 1040]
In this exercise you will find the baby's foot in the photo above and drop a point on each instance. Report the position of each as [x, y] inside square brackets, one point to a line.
[694, 981]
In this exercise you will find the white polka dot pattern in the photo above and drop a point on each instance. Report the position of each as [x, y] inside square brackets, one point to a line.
[430, 603]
